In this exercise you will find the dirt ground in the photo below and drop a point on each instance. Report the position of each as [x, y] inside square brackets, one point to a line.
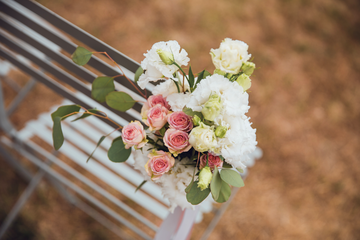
[305, 105]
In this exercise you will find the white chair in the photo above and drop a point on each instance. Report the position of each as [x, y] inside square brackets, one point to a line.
[28, 38]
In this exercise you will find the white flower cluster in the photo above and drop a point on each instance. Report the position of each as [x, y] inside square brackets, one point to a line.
[173, 183]
[240, 138]
[155, 68]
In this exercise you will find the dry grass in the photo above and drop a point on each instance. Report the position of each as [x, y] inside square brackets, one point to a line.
[305, 104]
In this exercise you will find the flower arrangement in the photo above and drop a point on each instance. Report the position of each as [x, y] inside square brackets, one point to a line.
[198, 136]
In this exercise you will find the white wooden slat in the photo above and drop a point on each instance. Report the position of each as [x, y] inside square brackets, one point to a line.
[104, 174]
[124, 170]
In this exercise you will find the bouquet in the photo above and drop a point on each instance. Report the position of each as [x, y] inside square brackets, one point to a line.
[194, 138]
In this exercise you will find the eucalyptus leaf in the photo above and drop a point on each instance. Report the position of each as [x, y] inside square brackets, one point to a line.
[86, 114]
[58, 137]
[97, 145]
[101, 87]
[187, 189]
[81, 56]
[141, 184]
[225, 193]
[65, 110]
[232, 177]
[215, 184]
[195, 195]
[120, 101]
[138, 73]
[118, 152]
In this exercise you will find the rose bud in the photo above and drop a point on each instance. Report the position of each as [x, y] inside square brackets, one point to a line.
[158, 99]
[156, 117]
[134, 134]
[159, 163]
[177, 141]
[205, 177]
[213, 161]
[180, 121]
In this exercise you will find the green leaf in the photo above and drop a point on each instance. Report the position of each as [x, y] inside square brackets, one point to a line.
[87, 114]
[191, 78]
[195, 195]
[232, 177]
[120, 101]
[138, 73]
[65, 110]
[97, 145]
[201, 76]
[226, 165]
[215, 184]
[190, 112]
[141, 184]
[162, 131]
[81, 56]
[187, 189]
[225, 192]
[101, 87]
[240, 170]
[58, 137]
[118, 152]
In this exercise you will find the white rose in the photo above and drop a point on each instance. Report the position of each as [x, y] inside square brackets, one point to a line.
[203, 138]
[230, 56]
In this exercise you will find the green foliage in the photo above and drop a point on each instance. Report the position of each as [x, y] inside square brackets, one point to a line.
[63, 111]
[141, 184]
[60, 114]
[118, 152]
[81, 56]
[224, 193]
[201, 76]
[187, 189]
[138, 73]
[97, 145]
[232, 177]
[195, 195]
[226, 165]
[58, 137]
[190, 112]
[85, 115]
[215, 184]
[191, 79]
[120, 101]
[101, 87]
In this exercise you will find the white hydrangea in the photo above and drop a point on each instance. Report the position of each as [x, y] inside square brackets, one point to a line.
[165, 88]
[235, 100]
[177, 101]
[173, 185]
[239, 141]
[155, 68]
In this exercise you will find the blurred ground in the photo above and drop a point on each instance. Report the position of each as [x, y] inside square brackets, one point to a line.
[305, 104]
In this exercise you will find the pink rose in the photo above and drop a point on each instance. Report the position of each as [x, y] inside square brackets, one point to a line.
[134, 134]
[159, 163]
[213, 161]
[156, 117]
[158, 99]
[177, 141]
[180, 121]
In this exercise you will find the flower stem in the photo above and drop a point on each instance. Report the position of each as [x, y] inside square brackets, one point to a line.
[142, 94]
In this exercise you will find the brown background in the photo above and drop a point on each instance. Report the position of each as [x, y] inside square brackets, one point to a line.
[305, 105]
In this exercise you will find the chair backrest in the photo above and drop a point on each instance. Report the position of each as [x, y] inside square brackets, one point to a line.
[30, 31]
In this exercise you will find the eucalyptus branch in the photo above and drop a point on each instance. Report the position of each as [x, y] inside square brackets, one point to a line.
[142, 94]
